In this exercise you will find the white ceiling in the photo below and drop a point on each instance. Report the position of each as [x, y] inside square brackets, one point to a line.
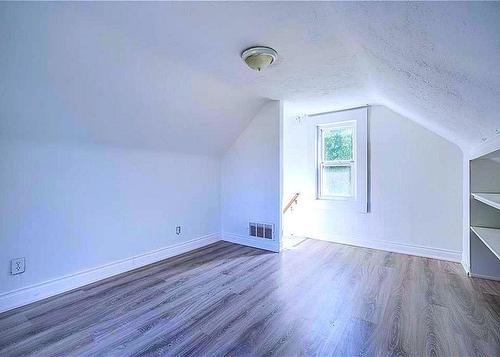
[167, 76]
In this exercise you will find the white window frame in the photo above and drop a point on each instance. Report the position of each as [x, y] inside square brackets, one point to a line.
[360, 202]
[321, 163]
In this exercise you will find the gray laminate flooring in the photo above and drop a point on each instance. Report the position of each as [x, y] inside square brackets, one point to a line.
[318, 299]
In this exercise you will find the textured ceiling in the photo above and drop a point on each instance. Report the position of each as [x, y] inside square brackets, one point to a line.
[168, 75]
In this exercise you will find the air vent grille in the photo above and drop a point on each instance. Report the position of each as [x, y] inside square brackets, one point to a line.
[261, 230]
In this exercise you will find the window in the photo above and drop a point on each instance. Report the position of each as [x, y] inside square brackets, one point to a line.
[336, 175]
[336, 166]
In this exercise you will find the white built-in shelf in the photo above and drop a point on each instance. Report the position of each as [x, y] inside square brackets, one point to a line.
[492, 199]
[490, 237]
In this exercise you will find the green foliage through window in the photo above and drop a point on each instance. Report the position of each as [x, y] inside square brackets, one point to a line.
[338, 144]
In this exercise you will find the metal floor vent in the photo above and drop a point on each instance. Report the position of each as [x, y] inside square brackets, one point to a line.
[261, 230]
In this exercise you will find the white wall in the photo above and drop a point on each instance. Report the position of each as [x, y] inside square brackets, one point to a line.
[68, 208]
[415, 191]
[251, 180]
[81, 212]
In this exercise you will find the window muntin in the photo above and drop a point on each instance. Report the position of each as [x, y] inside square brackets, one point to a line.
[336, 161]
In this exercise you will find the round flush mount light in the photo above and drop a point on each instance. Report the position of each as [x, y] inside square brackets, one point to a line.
[259, 58]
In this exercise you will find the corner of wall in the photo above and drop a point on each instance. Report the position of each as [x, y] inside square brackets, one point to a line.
[251, 179]
[465, 212]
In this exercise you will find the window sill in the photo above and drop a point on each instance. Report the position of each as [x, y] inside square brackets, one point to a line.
[339, 198]
[348, 204]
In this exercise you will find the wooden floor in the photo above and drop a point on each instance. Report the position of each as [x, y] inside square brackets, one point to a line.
[318, 299]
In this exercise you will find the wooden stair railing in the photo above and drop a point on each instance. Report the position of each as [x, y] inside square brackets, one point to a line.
[291, 202]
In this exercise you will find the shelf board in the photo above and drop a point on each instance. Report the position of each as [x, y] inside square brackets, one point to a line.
[491, 199]
[490, 237]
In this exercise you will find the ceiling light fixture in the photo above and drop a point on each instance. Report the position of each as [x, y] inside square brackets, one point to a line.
[259, 57]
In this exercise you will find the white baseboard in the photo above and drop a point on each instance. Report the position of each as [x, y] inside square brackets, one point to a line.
[266, 244]
[485, 277]
[420, 251]
[32, 293]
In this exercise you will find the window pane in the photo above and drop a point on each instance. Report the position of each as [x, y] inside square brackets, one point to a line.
[337, 144]
[336, 181]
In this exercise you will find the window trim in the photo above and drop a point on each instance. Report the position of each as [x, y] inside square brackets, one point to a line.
[321, 164]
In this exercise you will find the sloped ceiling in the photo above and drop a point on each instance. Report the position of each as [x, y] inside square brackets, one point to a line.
[167, 76]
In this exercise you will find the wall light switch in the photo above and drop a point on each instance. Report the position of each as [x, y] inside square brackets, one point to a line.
[17, 266]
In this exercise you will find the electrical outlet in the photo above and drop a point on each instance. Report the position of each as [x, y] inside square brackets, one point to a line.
[17, 266]
[178, 230]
